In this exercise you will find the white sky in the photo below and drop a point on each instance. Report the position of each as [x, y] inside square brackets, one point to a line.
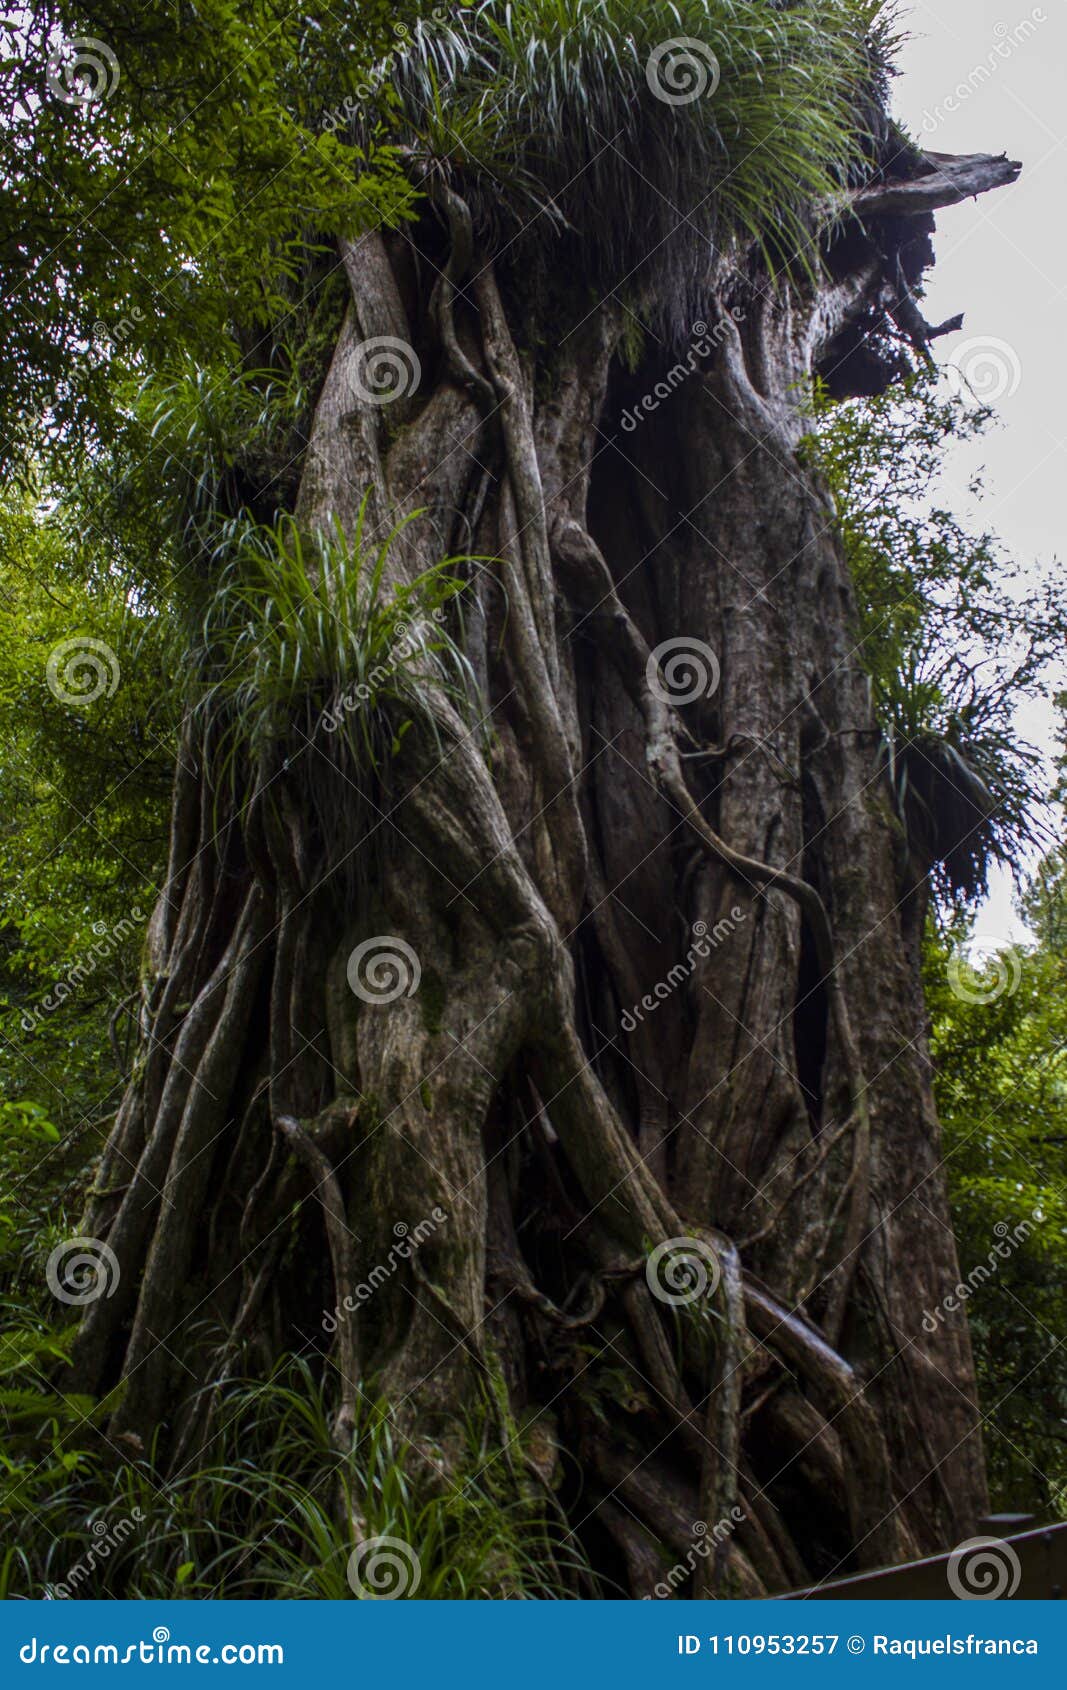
[1000, 260]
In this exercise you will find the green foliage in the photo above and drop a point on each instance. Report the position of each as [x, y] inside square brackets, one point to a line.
[547, 105]
[309, 651]
[1044, 902]
[45, 1433]
[1001, 1082]
[205, 440]
[270, 1513]
[951, 634]
[26, 1135]
[84, 800]
[183, 200]
[172, 310]
[209, 434]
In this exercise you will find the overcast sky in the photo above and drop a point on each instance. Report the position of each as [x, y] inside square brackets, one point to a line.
[988, 76]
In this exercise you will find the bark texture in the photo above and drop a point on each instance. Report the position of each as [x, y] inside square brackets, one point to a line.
[667, 935]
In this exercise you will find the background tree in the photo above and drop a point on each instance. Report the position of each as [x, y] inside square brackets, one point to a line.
[999, 1045]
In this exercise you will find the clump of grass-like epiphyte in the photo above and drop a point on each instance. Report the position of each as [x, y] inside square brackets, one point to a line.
[314, 664]
[745, 130]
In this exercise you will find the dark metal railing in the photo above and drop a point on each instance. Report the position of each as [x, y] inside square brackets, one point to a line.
[1024, 1564]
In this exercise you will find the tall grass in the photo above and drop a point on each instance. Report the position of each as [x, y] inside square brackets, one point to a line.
[268, 1514]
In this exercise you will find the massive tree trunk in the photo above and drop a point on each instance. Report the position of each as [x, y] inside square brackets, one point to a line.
[655, 943]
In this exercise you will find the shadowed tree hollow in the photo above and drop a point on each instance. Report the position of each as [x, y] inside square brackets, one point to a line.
[532, 1014]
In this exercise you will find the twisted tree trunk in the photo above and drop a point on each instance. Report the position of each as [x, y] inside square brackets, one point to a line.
[665, 935]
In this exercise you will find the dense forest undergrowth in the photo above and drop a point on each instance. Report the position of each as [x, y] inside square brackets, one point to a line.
[505, 740]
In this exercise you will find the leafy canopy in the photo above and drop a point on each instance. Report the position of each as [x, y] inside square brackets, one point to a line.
[180, 199]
